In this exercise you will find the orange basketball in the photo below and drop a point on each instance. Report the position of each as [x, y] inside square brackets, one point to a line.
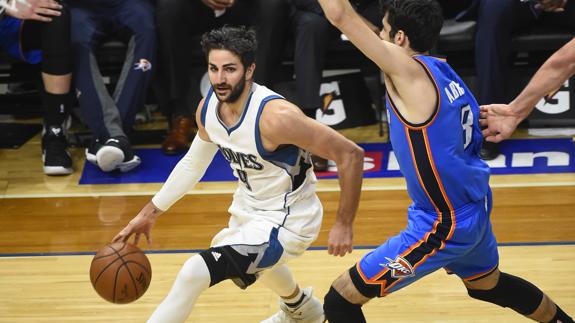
[120, 272]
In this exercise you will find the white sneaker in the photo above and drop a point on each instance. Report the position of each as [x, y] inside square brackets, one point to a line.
[309, 311]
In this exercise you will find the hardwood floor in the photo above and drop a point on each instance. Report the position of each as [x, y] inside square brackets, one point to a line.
[51, 225]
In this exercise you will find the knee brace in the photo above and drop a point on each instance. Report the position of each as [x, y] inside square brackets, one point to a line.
[226, 263]
[513, 292]
[337, 309]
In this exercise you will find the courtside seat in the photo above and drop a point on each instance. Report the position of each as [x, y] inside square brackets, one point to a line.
[456, 35]
[541, 38]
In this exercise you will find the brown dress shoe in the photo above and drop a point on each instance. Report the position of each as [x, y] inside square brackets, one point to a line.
[319, 163]
[178, 139]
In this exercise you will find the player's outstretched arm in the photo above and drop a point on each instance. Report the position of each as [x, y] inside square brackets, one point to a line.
[501, 120]
[283, 123]
[389, 57]
[183, 178]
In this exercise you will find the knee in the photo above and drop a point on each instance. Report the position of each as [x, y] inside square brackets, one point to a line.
[338, 309]
[512, 292]
[194, 272]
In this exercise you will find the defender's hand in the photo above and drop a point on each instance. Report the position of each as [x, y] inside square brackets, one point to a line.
[499, 121]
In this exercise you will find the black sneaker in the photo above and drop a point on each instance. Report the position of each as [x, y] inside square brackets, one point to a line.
[55, 155]
[116, 153]
[489, 150]
[91, 151]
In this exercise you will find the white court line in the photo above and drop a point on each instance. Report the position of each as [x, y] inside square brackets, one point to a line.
[230, 191]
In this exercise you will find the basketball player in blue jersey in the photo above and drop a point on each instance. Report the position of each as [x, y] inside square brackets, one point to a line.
[275, 213]
[436, 137]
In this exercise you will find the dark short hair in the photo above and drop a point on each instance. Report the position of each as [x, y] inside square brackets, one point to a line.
[420, 20]
[237, 39]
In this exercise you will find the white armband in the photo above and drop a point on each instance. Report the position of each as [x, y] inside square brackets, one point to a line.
[186, 174]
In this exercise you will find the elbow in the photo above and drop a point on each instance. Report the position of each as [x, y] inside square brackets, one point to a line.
[357, 155]
[335, 15]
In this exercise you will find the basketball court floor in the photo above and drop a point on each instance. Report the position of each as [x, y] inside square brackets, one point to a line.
[51, 227]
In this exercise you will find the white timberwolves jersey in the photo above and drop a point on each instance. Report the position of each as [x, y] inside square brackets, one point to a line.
[267, 181]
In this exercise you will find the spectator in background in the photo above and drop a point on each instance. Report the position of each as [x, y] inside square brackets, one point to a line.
[313, 33]
[39, 30]
[110, 118]
[497, 20]
[180, 24]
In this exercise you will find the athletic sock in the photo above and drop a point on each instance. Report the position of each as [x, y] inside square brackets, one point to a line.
[295, 301]
[56, 108]
[561, 317]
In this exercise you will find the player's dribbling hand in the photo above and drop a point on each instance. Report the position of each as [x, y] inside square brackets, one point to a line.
[340, 240]
[40, 10]
[140, 224]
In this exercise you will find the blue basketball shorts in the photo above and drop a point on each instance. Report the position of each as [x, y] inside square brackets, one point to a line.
[11, 40]
[461, 242]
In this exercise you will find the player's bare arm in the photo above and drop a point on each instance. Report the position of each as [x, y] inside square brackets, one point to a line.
[501, 120]
[183, 178]
[283, 123]
[406, 80]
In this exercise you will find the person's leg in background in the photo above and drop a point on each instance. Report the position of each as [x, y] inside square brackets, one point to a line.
[496, 21]
[175, 81]
[313, 33]
[137, 18]
[54, 40]
[97, 106]
[272, 24]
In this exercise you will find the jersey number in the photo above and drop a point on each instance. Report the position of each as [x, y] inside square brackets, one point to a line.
[243, 176]
[467, 124]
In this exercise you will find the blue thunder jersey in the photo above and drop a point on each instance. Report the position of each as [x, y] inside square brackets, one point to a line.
[440, 158]
[268, 181]
[11, 40]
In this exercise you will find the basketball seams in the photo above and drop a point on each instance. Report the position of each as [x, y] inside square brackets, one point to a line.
[108, 279]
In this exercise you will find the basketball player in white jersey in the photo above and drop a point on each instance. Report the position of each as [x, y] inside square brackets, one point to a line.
[275, 213]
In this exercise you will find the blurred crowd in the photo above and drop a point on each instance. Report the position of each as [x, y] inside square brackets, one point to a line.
[162, 38]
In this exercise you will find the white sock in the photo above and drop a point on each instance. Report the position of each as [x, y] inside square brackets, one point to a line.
[281, 281]
[192, 280]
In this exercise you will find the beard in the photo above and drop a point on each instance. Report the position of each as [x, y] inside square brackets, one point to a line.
[235, 91]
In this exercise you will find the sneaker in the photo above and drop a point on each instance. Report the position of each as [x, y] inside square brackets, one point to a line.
[489, 150]
[309, 311]
[55, 155]
[116, 153]
[91, 151]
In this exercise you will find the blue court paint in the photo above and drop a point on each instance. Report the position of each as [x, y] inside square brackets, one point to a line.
[520, 156]
[175, 251]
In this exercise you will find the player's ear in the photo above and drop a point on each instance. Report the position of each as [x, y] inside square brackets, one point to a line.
[400, 38]
[250, 71]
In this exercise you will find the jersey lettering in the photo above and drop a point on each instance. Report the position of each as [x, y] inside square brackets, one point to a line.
[243, 176]
[243, 160]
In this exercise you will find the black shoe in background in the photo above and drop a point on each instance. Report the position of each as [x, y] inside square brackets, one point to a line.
[55, 155]
[116, 153]
[489, 150]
